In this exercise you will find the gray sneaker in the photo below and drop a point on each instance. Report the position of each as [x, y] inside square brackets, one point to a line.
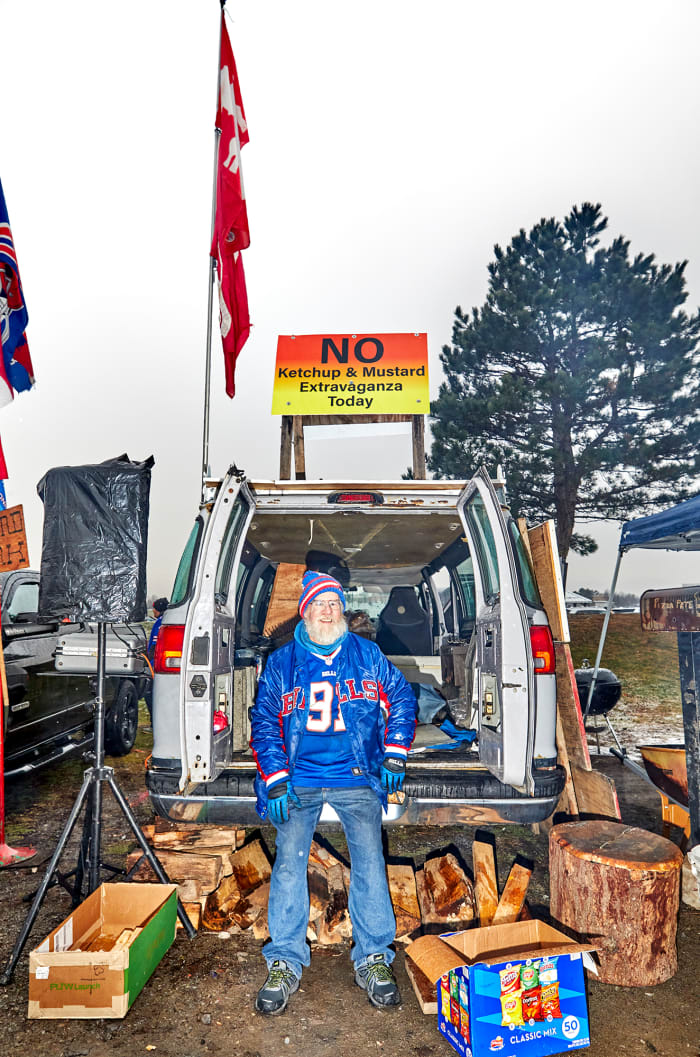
[274, 994]
[377, 979]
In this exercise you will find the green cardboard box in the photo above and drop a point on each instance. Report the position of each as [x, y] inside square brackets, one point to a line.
[69, 981]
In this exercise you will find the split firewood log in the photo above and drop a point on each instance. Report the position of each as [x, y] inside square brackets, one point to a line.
[333, 926]
[180, 867]
[404, 899]
[250, 866]
[513, 897]
[485, 881]
[450, 891]
[220, 903]
[321, 856]
[428, 914]
[319, 892]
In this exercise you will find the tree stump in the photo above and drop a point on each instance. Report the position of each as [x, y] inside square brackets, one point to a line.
[619, 887]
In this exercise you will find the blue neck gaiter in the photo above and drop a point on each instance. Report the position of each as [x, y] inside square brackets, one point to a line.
[302, 637]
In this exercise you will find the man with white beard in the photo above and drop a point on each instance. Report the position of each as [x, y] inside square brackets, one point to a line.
[320, 736]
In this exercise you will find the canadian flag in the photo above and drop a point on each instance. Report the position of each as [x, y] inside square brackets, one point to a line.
[231, 233]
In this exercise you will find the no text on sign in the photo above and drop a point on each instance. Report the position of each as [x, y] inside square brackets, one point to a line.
[356, 374]
[14, 553]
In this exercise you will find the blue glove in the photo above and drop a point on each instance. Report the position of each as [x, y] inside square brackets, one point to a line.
[393, 773]
[278, 798]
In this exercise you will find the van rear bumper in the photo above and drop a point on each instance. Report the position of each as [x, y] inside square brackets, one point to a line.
[477, 799]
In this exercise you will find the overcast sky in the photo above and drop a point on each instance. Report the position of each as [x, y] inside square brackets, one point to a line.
[392, 143]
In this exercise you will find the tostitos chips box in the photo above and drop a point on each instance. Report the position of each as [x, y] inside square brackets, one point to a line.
[509, 990]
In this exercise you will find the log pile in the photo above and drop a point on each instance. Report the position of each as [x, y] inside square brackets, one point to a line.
[486, 907]
[224, 885]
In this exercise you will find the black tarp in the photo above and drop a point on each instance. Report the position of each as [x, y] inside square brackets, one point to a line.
[93, 556]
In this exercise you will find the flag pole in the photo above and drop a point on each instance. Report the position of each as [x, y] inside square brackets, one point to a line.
[212, 279]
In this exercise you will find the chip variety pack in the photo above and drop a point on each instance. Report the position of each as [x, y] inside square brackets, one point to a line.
[531, 1007]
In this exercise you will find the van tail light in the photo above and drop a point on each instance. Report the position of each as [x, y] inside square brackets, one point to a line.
[220, 721]
[169, 649]
[542, 645]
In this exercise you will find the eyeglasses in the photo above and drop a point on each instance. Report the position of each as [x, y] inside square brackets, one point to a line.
[320, 605]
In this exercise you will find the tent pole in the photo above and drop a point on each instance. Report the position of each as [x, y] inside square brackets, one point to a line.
[603, 633]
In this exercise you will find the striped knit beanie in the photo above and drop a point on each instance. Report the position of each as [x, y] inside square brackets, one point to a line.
[313, 584]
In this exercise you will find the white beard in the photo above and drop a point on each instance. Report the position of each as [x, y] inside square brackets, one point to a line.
[325, 632]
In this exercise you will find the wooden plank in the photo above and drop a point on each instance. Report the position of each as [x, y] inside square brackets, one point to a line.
[485, 882]
[424, 990]
[596, 795]
[299, 453]
[284, 599]
[511, 902]
[286, 448]
[569, 709]
[350, 420]
[418, 446]
[545, 560]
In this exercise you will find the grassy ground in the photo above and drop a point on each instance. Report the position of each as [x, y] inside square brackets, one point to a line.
[645, 662]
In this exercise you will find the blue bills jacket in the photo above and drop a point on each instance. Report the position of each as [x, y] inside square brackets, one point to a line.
[279, 716]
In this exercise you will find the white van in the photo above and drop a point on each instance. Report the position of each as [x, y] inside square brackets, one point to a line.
[436, 572]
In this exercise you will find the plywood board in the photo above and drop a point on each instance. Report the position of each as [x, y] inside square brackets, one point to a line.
[547, 566]
[595, 794]
[284, 600]
[569, 709]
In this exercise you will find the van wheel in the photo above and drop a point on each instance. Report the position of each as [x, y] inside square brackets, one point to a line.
[122, 721]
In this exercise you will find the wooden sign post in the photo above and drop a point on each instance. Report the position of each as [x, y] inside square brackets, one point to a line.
[678, 609]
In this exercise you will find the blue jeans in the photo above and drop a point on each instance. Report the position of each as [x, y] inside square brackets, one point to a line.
[371, 912]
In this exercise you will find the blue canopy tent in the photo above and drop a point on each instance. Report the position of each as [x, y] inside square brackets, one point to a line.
[675, 529]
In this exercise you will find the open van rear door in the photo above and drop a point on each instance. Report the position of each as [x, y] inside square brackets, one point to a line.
[504, 689]
[208, 653]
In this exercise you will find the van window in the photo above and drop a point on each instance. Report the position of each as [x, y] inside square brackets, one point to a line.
[485, 546]
[465, 576]
[528, 586]
[442, 585]
[24, 600]
[181, 587]
[229, 545]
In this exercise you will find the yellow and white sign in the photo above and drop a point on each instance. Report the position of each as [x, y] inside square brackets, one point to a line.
[351, 374]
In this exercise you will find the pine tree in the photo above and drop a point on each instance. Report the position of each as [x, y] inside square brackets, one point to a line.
[580, 375]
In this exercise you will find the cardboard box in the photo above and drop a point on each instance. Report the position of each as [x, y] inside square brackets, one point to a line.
[97, 961]
[482, 976]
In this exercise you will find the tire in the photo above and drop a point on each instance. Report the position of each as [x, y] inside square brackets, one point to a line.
[122, 721]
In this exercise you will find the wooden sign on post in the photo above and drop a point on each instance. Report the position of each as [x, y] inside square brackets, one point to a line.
[14, 552]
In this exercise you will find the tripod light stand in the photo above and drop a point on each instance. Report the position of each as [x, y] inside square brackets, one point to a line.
[89, 859]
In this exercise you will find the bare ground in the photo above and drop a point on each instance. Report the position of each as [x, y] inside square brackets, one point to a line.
[200, 999]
